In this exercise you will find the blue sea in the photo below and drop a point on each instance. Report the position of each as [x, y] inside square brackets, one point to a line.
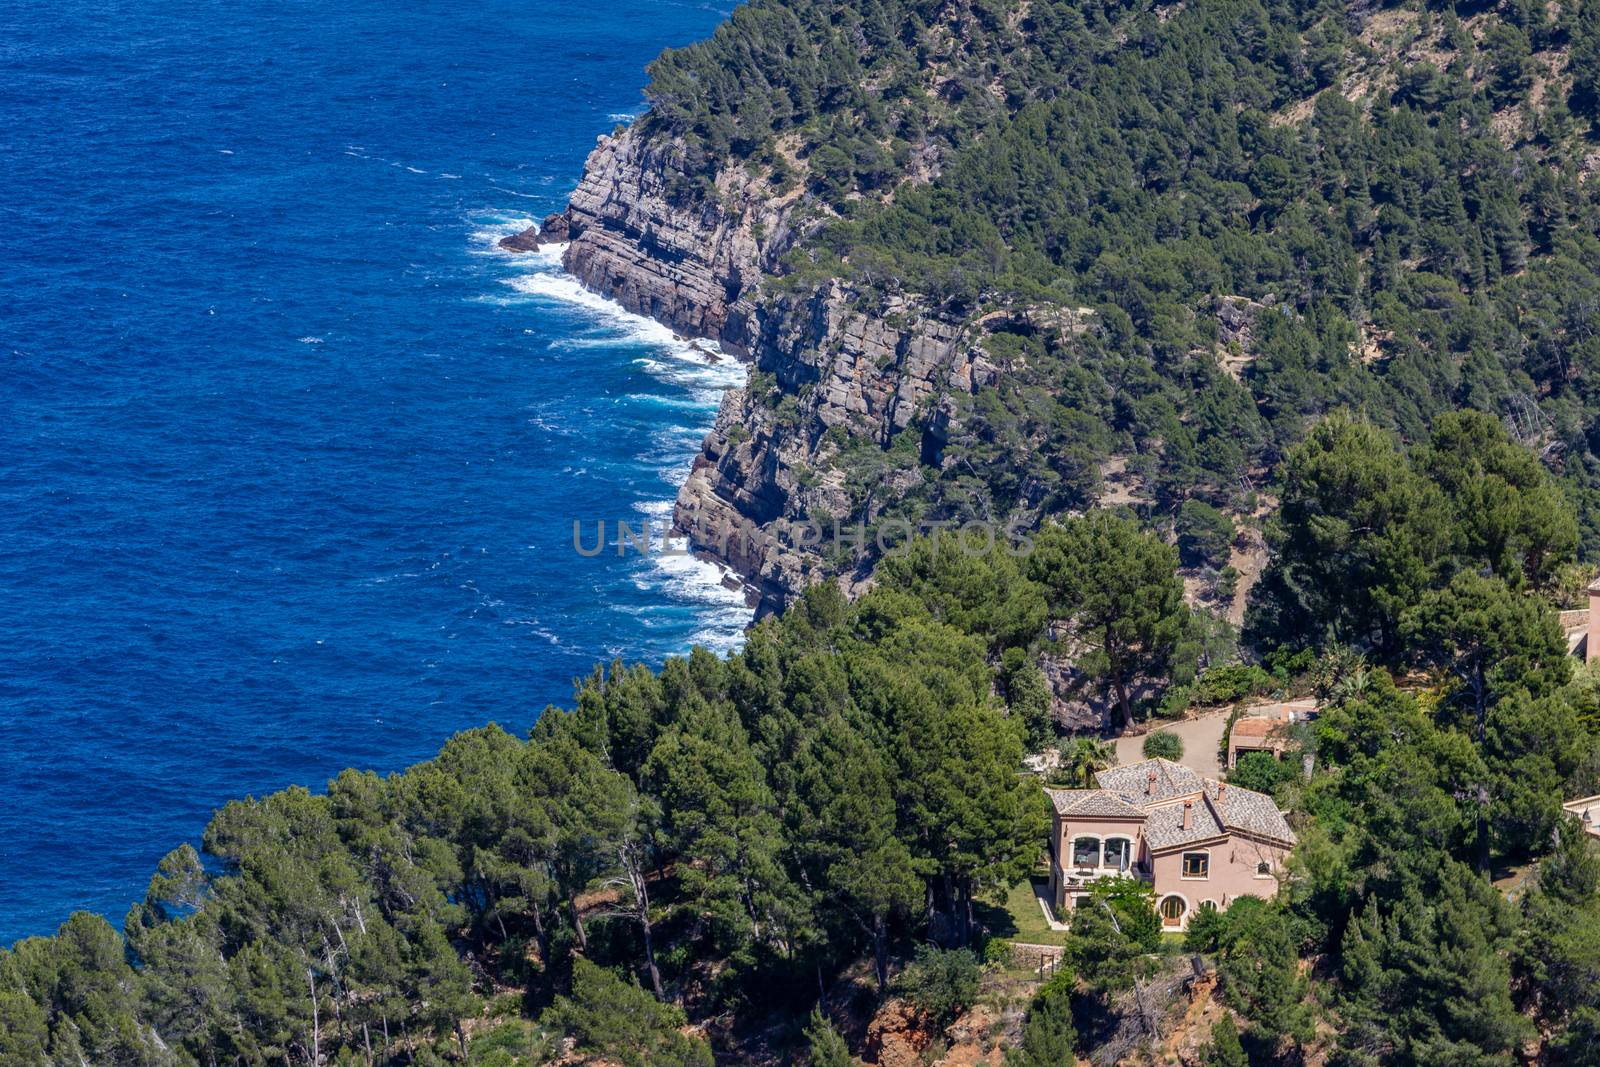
[290, 453]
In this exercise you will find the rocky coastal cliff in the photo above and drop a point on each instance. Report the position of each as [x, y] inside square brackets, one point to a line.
[694, 257]
[639, 232]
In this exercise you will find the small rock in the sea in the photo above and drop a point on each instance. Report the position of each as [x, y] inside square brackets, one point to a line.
[552, 231]
[526, 241]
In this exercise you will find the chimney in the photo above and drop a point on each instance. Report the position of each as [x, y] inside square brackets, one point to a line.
[1150, 783]
[1222, 792]
[1591, 649]
[1188, 806]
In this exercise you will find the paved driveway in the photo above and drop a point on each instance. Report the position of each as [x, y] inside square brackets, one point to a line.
[1200, 736]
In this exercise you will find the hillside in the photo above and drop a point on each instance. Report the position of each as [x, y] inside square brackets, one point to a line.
[1325, 274]
[1003, 261]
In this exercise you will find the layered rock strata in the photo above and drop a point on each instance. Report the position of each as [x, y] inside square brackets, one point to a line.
[693, 257]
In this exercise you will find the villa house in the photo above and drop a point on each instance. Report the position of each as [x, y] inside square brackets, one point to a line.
[1582, 627]
[1198, 842]
[1587, 811]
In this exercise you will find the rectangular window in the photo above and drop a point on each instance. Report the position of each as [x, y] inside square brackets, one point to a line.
[1197, 864]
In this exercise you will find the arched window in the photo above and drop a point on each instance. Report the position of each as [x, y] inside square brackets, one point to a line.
[1119, 853]
[1172, 909]
[1086, 852]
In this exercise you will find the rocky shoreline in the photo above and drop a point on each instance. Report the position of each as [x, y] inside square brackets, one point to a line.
[640, 231]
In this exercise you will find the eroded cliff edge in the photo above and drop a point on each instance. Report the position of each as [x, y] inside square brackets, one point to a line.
[701, 258]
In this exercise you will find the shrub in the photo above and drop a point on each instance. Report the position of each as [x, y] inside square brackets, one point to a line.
[828, 1048]
[1048, 1037]
[611, 1016]
[1224, 1049]
[1204, 534]
[942, 982]
[1228, 682]
[1206, 927]
[1262, 772]
[1163, 744]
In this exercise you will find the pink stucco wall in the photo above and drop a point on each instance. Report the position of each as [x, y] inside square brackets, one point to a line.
[1232, 873]
[1063, 833]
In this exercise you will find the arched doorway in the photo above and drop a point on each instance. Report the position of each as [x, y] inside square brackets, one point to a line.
[1172, 909]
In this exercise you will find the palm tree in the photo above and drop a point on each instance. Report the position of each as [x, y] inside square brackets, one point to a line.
[1082, 758]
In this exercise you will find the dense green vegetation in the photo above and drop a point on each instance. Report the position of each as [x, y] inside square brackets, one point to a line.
[1266, 210]
[728, 839]
[696, 857]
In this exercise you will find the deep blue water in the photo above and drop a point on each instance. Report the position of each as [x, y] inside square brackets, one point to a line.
[289, 454]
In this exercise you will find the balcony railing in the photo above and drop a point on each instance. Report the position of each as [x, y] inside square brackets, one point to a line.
[1083, 874]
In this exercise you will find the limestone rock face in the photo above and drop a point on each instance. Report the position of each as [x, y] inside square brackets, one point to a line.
[692, 253]
[641, 230]
[835, 363]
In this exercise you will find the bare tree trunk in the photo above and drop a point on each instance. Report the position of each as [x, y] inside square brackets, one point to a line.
[577, 924]
[316, 1022]
[880, 952]
[1121, 689]
[541, 934]
[634, 880]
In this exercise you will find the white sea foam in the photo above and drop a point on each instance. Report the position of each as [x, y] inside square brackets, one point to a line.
[699, 584]
[491, 228]
[309, 340]
[697, 369]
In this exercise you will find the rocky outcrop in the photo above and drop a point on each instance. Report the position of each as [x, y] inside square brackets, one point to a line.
[552, 231]
[641, 230]
[834, 360]
[897, 1035]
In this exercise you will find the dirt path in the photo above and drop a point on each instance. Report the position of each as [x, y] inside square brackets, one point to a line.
[1201, 737]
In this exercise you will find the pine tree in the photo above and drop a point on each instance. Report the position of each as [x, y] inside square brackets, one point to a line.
[1120, 588]
[1048, 1036]
[1224, 1049]
[828, 1047]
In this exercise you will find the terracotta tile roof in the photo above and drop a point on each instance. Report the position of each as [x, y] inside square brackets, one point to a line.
[1163, 827]
[1093, 803]
[1136, 786]
[1216, 808]
[1254, 727]
[1250, 812]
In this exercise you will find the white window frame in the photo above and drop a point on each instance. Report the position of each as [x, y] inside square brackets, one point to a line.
[1183, 916]
[1127, 852]
[1099, 851]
